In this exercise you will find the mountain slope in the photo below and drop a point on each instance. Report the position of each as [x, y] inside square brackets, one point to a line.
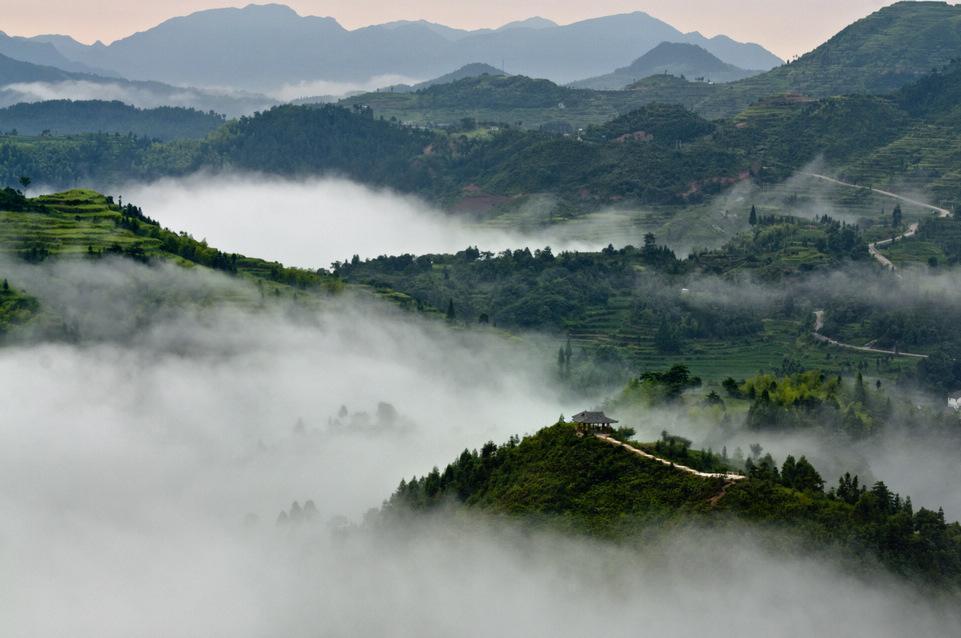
[264, 47]
[669, 58]
[878, 54]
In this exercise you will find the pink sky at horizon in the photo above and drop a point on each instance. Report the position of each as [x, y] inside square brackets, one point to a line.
[786, 27]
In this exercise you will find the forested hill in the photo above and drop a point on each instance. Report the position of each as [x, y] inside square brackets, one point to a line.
[67, 117]
[563, 480]
[517, 100]
[651, 155]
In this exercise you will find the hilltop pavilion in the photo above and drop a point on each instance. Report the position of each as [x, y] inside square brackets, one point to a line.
[597, 421]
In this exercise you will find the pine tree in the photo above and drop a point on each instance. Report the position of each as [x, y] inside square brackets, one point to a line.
[752, 219]
[451, 315]
[896, 216]
[6, 286]
[860, 394]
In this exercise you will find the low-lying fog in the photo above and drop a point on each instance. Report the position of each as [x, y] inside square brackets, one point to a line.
[144, 95]
[142, 467]
[333, 89]
[316, 222]
[141, 476]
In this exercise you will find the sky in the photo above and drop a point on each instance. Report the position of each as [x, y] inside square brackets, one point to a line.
[786, 27]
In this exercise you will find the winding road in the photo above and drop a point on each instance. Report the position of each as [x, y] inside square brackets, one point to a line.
[819, 323]
[910, 232]
[874, 250]
[942, 212]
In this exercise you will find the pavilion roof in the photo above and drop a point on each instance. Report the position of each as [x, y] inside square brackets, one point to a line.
[592, 418]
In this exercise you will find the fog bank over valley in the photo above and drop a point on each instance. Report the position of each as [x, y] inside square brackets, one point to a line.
[316, 222]
[335, 89]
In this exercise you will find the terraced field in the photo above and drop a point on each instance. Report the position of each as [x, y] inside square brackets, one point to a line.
[715, 360]
[71, 223]
[928, 157]
[82, 224]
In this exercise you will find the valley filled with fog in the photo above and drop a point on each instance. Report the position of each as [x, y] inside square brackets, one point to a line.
[588, 327]
[316, 222]
[151, 462]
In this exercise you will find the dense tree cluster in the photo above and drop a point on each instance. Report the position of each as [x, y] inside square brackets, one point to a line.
[813, 400]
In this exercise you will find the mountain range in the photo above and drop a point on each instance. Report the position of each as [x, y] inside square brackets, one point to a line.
[265, 47]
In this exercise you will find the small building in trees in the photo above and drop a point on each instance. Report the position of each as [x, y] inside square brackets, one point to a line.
[593, 421]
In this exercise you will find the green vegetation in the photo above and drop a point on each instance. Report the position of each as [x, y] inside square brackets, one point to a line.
[560, 479]
[813, 400]
[67, 117]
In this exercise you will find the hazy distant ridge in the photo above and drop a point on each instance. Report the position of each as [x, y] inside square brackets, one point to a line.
[241, 48]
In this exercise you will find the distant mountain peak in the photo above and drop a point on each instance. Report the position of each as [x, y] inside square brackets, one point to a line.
[672, 58]
[674, 52]
[269, 7]
[536, 22]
